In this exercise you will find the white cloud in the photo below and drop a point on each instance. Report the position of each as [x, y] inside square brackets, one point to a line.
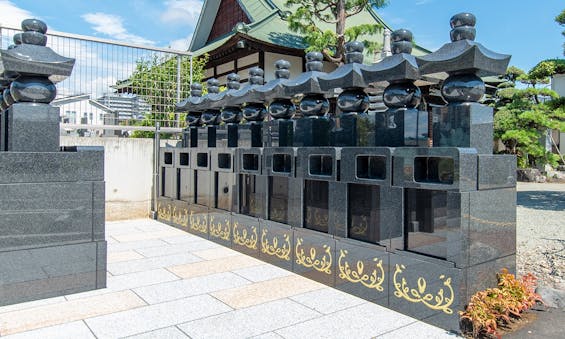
[181, 44]
[13, 15]
[112, 25]
[184, 12]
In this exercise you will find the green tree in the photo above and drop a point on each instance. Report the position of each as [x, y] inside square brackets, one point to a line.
[155, 80]
[523, 116]
[560, 19]
[308, 15]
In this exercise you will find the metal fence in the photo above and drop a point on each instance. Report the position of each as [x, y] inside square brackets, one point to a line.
[117, 88]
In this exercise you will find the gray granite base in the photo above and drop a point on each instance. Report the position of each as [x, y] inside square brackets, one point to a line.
[51, 224]
[30, 127]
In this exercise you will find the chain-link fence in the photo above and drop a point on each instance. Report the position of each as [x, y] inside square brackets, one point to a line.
[117, 88]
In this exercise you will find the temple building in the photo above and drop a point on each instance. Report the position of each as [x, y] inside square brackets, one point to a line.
[240, 34]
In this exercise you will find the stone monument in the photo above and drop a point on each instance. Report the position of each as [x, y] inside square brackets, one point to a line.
[362, 204]
[52, 199]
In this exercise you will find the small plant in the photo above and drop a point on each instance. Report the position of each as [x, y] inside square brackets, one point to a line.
[489, 309]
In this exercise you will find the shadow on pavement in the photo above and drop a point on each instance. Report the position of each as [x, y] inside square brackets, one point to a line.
[542, 200]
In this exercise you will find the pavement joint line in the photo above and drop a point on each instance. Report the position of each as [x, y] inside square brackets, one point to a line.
[173, 273]
[135, 250]
[145, 301]
[84, 322]
[251, 281]
[380, 335]
[299, 303]
[180, 329]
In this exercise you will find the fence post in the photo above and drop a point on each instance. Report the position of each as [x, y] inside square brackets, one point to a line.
[156, 160]
[179, 61]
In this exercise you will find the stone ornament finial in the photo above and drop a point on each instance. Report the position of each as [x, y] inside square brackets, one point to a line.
[354, 52]
[213, 86]
[233, 81]
[401, 41]
[256, 76]
[282, 69]
[462, 27]
[314, 62]
[33, 33]
[196, 90]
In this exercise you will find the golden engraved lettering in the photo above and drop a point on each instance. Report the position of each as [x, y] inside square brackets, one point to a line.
[438, 302]
[198, 223]
[180, 217]
[220, 230]
[243, 238]
[373, 280]
[323, 264]
[361, 228]
[282, 252]
[164, 212]
[277, 215]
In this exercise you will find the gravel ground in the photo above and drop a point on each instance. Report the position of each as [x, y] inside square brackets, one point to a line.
[541, 232]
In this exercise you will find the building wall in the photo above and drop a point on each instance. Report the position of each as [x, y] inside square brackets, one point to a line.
[128, 172]
[271, 58]
[558, 85]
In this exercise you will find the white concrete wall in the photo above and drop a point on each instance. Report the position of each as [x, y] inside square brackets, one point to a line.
[558, 85]
[128, 172]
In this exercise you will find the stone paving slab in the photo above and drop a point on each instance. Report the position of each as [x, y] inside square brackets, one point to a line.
[165, 333]
[189, 287]
[251, 321]
[68, 311]
[165, 283]
[72, 330]
[152, 317]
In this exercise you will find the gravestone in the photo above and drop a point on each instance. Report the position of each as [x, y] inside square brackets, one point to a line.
[51, 199]
[360, 202]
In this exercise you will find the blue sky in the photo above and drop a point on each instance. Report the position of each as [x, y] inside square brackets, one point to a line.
[525, 29]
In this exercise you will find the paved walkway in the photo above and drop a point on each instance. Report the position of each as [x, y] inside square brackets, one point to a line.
[165, 283]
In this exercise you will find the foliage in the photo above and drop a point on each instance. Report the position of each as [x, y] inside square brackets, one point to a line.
[308, 14]
[155, 79]
[523, 116]
[489, 309]
[560, 19]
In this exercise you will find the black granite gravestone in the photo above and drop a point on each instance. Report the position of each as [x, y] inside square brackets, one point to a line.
[53, 244]
[414, 228]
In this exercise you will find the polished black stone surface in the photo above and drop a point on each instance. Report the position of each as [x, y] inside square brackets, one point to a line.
[30, 127]
[311, 132]
[435, 223]
[401, 127]
[246, 232]
[315, 256]
[496, 171]
[371, 165]
[318, 163]
[425, 289]
[253, 195]
[277, 244]
[362, 270]
[445, 168]
[353, 200]
[316, 205]
[220, 226]
[53, 210]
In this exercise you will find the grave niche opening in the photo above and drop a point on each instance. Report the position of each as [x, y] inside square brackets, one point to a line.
[432, 222]
[363, 215]
[316, 205]
[278, 199]
[249, 195]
